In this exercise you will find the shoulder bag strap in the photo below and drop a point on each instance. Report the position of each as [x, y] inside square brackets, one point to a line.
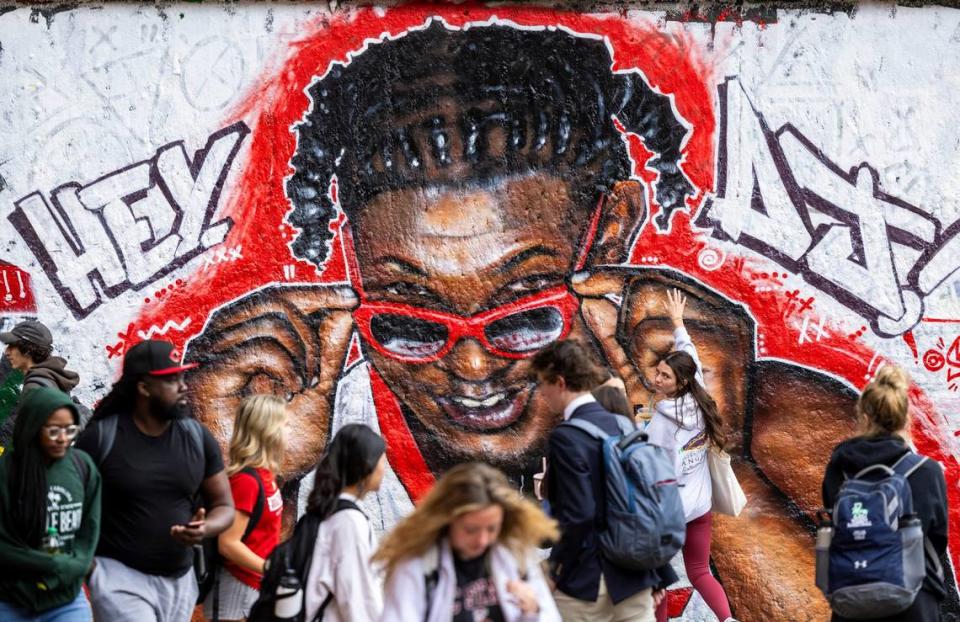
[258, 505]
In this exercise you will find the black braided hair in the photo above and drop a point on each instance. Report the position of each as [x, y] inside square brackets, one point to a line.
[121, 400]
[27, 485]
[455, 107]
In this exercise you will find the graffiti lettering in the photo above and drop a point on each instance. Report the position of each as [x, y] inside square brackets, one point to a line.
[779, 195]
[154, 215]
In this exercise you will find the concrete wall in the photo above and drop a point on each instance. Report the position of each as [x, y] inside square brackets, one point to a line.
[166, 172]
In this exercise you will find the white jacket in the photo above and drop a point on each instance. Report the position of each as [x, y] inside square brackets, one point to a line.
[405, 598]
[678, 426]
[341, 565]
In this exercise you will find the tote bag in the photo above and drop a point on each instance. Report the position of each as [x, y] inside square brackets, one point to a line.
[728, 497]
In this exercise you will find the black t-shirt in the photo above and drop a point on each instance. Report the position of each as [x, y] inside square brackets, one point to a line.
[149, 485]
[476, 598]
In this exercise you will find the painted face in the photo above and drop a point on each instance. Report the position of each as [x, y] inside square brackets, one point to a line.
[478, 254]
[665, 381]
[57, 434]
[471, 534]
[168, 395]
[18, 360]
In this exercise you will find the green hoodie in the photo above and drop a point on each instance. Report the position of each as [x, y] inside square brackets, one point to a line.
[29, 577]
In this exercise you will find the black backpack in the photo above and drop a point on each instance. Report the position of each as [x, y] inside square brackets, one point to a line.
[105, 430]
[292, 557]
[208, 558]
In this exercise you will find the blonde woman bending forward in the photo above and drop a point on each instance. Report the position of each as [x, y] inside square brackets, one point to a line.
[468, 552]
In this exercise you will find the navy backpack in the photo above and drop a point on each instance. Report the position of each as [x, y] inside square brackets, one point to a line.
[870, 555]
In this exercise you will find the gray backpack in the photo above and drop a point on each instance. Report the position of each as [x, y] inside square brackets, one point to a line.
[645, 524]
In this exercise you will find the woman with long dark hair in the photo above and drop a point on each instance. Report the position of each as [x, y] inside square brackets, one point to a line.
[341, 583]
[686, 422]
[49, 514]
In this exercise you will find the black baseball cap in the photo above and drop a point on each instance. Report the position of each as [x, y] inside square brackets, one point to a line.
[153, 358]
[32, 331]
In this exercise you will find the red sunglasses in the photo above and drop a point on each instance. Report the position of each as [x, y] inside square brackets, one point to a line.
[514, 330]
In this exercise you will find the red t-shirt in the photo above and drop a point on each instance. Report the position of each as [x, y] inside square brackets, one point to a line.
[265, 536]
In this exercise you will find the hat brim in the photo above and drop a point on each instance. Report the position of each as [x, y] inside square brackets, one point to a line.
[169, 371]
[8, 338]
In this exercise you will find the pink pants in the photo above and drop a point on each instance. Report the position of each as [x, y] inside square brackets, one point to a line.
[696, 559]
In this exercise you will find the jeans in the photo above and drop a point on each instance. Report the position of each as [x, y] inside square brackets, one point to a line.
[76, 611]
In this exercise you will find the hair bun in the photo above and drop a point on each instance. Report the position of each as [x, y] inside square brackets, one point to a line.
[892, 376]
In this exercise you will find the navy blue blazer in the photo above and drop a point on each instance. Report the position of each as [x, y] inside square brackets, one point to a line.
[575, 489]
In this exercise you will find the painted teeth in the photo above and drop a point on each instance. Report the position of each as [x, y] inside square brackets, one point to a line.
[493, 400]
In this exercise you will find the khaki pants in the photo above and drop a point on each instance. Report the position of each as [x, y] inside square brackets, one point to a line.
[637, 608]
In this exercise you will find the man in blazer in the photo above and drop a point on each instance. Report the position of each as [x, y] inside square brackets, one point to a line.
[588, 587]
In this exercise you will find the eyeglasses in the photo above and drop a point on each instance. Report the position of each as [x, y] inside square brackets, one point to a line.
[53, 432]
[516, 330]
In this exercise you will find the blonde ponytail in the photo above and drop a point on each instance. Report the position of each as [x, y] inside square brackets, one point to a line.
[884, 404]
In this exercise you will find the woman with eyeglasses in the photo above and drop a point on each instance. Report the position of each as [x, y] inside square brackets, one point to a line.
[49, 514]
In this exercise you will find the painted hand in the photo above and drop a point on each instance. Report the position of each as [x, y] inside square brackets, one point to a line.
[676, 304]
[289, 341]
[783, 421]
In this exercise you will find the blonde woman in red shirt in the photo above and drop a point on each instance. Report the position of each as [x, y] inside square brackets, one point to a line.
[255, 455]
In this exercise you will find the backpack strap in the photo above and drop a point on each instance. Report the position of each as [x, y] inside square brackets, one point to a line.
[627, 426]
[106, 431]
[194, 429]
[585, 426]
[323, 607]
[908, 464]
[258, 505]
[629, 431]
[431, 576]
[874, 467]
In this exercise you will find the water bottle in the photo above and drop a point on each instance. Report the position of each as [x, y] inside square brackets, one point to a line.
[824, 538]
[289, 597]
[51, 542]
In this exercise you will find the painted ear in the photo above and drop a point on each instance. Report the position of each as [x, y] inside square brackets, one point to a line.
[624, 213]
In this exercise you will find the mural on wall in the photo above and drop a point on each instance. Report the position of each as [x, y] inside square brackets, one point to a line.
[16, 305]
[390, 211]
